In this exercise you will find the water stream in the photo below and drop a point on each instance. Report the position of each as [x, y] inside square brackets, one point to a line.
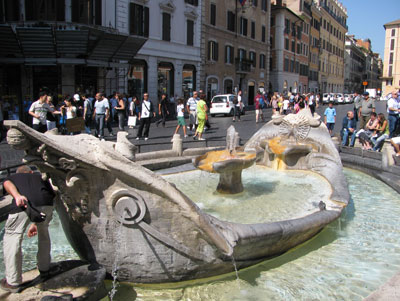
[346, 261]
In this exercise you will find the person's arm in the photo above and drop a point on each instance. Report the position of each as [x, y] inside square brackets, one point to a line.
[32, 113]
[84, 109]
[159, 108]
[107, 113]
[20, 200]
[32, 231]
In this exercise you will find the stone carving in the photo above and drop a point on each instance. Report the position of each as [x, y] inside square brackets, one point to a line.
[108, 205]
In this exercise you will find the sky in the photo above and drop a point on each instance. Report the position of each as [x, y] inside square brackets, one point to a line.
[365, 19]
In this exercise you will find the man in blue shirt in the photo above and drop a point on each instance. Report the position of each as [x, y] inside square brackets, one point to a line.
[330, 117]
[349, 128]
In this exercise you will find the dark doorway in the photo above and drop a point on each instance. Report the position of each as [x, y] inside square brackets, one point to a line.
[250, 99]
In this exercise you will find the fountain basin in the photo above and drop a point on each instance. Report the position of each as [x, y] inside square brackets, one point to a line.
[169, 238]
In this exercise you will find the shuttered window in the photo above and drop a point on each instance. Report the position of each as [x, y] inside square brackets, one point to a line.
[189, 32]
[166, 27]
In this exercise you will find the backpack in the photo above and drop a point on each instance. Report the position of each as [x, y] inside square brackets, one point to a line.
[261, 101]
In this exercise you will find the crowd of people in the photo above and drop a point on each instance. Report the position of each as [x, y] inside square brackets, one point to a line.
[374, 127]
[101, 112]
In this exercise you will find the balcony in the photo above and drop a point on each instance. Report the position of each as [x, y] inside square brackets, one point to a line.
[337, 18]
[243, 65]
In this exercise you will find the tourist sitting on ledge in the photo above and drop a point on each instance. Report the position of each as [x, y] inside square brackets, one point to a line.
[348, 128]
[395, 141]
[382, 132]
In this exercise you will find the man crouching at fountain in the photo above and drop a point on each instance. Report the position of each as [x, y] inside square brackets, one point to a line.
[32, 202]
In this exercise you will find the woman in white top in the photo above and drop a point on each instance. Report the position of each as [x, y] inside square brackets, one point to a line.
[70, 111]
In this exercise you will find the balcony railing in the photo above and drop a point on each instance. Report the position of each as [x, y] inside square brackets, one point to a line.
[336, 17]
[243, 65]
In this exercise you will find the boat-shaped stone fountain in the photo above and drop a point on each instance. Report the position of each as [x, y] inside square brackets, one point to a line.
[112, 208]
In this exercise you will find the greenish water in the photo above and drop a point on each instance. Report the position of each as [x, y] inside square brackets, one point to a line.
[268, 195]
[347, 261]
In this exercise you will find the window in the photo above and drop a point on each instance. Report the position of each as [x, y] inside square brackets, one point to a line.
[166, 27]
[138, 20]
[287, 44]
[9, 10]
[298, 48]
[192, 2]
[255, 3]
[262, 61]
[293, 46]
[392, 44]
[390, 71]
[49, 10]
[212, 51]
[299, 30]
[286, 65]
[391, 58]
[189, 32]
[287, 26]
[231, 21]
[264, 5]
[253, 59]
[243, 26]
[272, 21]
[263, 33]
[393, 32]
[242, 54]
[84, 11]
[229, 54]
[253, 29]
[213, 14]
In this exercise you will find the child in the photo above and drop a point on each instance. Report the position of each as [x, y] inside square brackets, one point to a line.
[181, 117]
[330, 117]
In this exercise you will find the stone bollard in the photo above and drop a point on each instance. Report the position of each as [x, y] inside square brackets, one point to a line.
[177, 144]
[125, 147]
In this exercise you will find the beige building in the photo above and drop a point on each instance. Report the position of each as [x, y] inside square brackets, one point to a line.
[236, 49]
[289, 48]
[313, 80]
[332, 44]
[391, 63]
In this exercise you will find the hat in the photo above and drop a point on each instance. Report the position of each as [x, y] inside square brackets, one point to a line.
[76, 96]
[366, 93]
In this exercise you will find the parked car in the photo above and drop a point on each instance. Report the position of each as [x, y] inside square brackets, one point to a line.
[339, 98]
[348, 98]
[222, 104]
[327, 97]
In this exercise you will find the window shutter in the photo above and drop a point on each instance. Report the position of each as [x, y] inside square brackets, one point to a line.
[216, 51]
[166, 27]
[189, 38]
[209, 51]
[146, 22]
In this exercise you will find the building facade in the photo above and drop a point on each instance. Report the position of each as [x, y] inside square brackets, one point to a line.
[66, 46]
[236, 49]
[315, 48]
[169, 62]
[354, 66]
[391, 62]
[289, 49]
[332, 38]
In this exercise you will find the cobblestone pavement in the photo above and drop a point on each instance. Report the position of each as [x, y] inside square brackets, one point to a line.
[160, 137]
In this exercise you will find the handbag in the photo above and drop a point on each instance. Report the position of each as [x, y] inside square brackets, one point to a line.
[132, 120]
